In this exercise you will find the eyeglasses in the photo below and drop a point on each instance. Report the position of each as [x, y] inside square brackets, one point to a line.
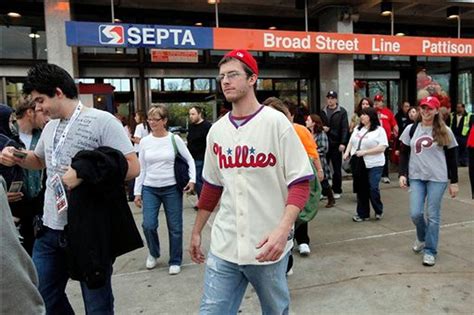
[232, 75]
[154, 120]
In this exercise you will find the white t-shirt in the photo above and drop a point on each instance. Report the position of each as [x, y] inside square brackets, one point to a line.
[92, 129]
[157, 162]
[26, 139]
[371, 140]
[140, 132]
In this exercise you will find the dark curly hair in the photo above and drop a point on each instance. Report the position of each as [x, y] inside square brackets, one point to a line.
[44, 78]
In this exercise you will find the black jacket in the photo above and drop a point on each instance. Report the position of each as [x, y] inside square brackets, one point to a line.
[338, 126]
[100, 224]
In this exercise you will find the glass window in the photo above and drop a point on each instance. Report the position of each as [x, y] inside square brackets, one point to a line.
[15, 42]
[85, 81]
[121, 85]
[466, 90]
[155, 84]
[377, 87]
[264, 84]
[394, 95]
[201, 85]
[290, 85]
[14, 92]
[41, 51]
[177, 84]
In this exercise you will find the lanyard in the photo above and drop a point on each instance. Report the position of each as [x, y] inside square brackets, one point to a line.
[59, 145]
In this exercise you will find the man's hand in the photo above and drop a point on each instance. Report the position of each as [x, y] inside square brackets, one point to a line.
[195, 248]
[7, 158]
[453, 190]
[272, 245]
[70, 179]
[402, 181]
[342, 148]
[138, 201]
[189, 188]
[14, 196]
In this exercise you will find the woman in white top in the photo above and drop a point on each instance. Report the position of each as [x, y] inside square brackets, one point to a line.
[141, 130]
[368, 143]
[156, 185]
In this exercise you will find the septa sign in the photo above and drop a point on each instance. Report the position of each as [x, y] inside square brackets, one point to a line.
[137, 35]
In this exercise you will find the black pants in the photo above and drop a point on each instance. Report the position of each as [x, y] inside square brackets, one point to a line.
[462, 150]
[301, 234]
[386, 165]
[471, 169]
[334, 156]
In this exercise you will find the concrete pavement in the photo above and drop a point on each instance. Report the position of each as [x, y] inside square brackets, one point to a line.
[354, 268]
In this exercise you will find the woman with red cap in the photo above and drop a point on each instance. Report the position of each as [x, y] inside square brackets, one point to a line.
[428, 159]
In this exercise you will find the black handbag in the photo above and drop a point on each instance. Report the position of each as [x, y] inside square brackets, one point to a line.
[181, 167]
[357, 162]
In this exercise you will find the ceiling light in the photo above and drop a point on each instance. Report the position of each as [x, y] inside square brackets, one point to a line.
[452, 13]
[117, 20]
[386, 8]
[34, 35]
[198, 23]
[400, 34]
[272, 28]
[213, 1]
[14, 14]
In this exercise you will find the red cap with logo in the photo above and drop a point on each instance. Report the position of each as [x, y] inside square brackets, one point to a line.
[431, 102]
[245, 57]
[378, 98]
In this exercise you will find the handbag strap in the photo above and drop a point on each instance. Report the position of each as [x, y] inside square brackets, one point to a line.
[174, 145]
[360, 140]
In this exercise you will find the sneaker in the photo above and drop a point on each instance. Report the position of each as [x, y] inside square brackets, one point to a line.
[289, 272]
[429, 260]
[337, 196]
[356, 218]
[385, 180]
[418, 246]
[174, 270]
[150, 262]
[323, 197]
[304, 249]
[379, 216]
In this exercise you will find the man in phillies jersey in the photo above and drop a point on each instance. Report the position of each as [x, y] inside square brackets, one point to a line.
[389, 123]
[256, 165]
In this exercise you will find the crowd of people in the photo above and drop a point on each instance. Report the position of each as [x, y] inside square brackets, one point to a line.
[264, 167]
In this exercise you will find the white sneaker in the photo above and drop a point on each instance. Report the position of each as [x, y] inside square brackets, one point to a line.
[385, 180]
[304, 249]
[289, 272]
[429, 260]
[418, 246]
[150, 262]
[174, 270]
[337, 196]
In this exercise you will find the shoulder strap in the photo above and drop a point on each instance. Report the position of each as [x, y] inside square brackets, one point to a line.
[412, 129]
[174, 144]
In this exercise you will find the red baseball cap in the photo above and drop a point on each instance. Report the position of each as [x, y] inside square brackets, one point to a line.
[245, 57]
[378, 98]
[431, 102]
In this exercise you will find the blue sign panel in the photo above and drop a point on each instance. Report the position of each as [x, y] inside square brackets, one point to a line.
[138, 35]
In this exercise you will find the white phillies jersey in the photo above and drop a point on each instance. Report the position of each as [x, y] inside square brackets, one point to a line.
[255, 164]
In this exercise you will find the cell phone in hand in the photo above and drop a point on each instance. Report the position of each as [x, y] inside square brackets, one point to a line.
[15, 187]
[19, 154]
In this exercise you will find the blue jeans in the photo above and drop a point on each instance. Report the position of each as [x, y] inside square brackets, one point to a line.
[371, 178]
[225, 284]
[199, 165]
[427, 229]
[49, 258]
[172, 200]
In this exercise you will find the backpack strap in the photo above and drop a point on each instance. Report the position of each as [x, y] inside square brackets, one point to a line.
[413, 129]
[174, 144]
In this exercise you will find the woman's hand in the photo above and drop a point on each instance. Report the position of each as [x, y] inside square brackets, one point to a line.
[361, 153]
[345, 156]
[402, 181]
[189, 189]
[138, 201]
[453, 190]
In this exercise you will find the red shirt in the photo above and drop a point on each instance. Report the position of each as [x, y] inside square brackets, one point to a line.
[470, 139]
[387, 121]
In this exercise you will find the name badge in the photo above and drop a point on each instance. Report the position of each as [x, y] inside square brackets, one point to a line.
[59, 193]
